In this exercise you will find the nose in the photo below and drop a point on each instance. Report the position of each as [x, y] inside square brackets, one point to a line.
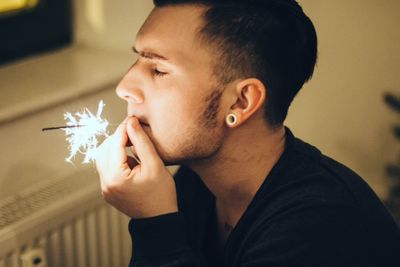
[129, 87]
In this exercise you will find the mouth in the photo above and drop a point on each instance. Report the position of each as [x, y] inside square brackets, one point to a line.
[144, 124]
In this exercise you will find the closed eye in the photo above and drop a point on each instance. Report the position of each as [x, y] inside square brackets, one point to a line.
[158, 72]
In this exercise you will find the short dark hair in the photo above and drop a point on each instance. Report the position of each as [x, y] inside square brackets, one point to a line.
[271, 40]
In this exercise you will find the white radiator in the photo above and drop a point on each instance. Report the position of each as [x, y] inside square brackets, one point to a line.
[63, 223]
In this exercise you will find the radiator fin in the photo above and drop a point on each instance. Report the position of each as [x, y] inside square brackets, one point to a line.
[69, 220]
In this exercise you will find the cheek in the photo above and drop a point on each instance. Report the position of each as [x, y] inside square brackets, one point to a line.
[175, 107]
[169, 114]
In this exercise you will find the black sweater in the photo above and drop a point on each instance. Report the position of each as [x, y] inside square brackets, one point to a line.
[310, 211]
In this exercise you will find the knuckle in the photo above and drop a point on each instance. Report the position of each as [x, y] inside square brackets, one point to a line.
[112, 189]
[109, 193]
[105, 194]
[105, 191]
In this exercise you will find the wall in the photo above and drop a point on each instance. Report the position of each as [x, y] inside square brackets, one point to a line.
[109, 23]
[341, 110]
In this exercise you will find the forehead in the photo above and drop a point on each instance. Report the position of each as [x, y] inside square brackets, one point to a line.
[172, 31]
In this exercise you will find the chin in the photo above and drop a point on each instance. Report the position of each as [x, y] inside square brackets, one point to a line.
[188, 159]
[170, 161]
[184, 150]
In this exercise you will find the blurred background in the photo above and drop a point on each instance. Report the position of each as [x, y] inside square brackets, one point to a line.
[77, 60]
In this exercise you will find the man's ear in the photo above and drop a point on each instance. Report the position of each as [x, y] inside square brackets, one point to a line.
[250, 97]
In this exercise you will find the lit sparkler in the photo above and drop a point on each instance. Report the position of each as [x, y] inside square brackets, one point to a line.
[82, 131]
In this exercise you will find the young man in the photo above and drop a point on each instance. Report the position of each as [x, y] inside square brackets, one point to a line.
[210, 92]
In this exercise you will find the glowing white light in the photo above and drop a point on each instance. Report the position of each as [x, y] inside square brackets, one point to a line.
[83, 138]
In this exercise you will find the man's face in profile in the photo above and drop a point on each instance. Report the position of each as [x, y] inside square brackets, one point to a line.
[171, 86]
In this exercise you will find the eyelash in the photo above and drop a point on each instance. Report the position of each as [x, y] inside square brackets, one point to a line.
[158, 73]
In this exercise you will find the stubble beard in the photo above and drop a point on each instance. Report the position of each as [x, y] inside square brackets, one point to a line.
[204, 139]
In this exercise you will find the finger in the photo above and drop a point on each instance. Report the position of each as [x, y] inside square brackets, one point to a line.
[101, 159]
[143, 146]
[133, 154]
[120, 134]
[101, 152]
[111, 157]
[117, 148]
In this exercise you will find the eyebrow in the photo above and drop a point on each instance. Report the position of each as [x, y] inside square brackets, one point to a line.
[149, 55]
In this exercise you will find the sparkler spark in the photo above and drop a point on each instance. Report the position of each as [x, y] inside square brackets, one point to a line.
[83, 139]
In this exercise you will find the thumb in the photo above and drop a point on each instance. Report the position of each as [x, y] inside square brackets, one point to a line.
[143, 146]
[119, 139]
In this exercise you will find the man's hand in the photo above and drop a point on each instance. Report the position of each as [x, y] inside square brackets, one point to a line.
[138, 190]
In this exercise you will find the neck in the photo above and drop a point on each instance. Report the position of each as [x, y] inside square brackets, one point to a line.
[237, 170]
